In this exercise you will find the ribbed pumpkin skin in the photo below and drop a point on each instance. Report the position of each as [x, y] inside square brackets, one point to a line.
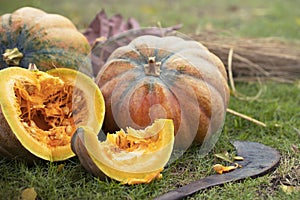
[189, 86]
[47, 40]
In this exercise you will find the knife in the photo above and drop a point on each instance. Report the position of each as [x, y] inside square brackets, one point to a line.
[259, 160]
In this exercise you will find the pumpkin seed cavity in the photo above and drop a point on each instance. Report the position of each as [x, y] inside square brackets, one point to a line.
[51, 109]
[130, 143]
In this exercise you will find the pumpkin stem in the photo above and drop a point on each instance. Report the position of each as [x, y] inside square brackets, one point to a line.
[12, 57]
[32, 67]
[153, 67]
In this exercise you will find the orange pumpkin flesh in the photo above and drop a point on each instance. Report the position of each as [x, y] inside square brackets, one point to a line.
[47, 108]
[44, 110]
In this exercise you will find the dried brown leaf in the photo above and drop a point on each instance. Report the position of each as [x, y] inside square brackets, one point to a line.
[224, 156]
[29, 194]
[289, 189]
[107, 34]
[102, 26]
[60, 167]
[102, 48]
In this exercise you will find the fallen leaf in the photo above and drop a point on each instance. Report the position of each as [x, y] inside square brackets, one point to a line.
[60, 167]
[289, 189]
[107, 34]
[102, 26]
[224, 156]
[29, 194]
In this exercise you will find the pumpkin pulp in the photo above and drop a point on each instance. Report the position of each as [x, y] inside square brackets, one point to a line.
[122, 143]
[46, 109]
[130, 143]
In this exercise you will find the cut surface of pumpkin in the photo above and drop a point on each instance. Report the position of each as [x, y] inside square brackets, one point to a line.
[43, 110]
[138, 156]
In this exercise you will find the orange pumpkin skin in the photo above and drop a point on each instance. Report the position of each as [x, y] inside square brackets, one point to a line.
[165, 77]
[47, 40]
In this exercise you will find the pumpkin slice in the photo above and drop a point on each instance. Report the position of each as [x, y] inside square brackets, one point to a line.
[137, 156]
[41, 111]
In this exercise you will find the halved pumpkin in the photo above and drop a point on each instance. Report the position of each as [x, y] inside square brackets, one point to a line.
[41, 111]
[138, 156]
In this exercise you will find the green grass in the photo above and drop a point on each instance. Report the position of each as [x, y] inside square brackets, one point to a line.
[278, 106]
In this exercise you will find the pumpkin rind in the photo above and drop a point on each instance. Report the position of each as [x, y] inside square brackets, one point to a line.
[137, 156]
[47, 40]
[165, 77]
[33, 126]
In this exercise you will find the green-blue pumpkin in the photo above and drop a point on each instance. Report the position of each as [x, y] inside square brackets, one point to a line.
[30, 35]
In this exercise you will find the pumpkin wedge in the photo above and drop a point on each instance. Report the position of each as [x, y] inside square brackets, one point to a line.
[137, 156]
[40, 111]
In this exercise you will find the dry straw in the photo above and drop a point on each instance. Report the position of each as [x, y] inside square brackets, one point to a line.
[254, 59]
[266, 58]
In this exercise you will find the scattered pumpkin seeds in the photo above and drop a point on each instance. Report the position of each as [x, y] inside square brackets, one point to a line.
[220, 169]
[238, 158]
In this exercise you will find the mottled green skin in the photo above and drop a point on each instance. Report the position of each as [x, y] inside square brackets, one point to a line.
[47, 45]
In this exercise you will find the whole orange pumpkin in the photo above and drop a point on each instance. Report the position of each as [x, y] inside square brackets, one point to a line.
[165, 77]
